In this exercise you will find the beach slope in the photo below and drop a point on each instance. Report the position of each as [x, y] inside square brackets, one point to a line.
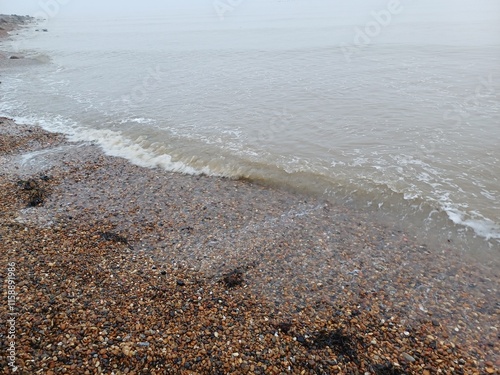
[123, 269]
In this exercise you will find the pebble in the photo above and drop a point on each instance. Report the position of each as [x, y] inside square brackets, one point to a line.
[407, 357]
[186, 318]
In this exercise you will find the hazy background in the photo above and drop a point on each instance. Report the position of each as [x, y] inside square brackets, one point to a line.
[445, 10]
[423, 21]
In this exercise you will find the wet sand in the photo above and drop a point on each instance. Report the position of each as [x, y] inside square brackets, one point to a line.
[120, 269]
[124, 269]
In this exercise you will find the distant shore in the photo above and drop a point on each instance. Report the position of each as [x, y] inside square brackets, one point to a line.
[9, 23]
[131, 270]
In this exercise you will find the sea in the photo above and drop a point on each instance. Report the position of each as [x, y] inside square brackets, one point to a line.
[393, 109]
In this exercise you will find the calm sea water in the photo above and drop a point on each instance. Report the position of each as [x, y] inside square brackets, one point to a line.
[405, 123]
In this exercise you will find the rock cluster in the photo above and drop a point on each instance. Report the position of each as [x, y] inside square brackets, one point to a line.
[9, 23]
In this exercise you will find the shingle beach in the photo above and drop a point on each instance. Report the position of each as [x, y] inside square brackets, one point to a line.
[120, 269]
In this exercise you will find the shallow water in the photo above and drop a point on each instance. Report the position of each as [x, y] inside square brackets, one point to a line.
[407, 125]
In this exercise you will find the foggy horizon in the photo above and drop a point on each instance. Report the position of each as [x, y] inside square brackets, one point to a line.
[357, 10]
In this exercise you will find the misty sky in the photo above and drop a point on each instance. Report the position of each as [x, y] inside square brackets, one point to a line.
[443, 9]
[474, 21]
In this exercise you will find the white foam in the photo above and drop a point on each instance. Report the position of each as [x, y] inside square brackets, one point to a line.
[113, 143]
[138, 120]
[483, 227]
[489, 195]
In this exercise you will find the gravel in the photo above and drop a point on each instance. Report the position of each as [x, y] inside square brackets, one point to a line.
[128, 270]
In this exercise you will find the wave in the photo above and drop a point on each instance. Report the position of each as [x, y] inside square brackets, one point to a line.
[445, 219]
[303, 180]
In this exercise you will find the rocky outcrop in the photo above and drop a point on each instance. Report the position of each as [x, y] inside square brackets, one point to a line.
[11, 22]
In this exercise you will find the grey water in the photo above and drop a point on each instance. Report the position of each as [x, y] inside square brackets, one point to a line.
[399, 115]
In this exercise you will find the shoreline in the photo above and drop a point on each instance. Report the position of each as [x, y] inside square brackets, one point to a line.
[10, 23]
[133, 270]
[126, 266]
